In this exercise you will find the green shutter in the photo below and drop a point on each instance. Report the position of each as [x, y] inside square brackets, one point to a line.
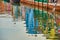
[38, 0]
[7, 0]
[45, 1]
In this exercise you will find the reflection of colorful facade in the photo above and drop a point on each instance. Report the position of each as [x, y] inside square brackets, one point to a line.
[43, 20]
[39, 20]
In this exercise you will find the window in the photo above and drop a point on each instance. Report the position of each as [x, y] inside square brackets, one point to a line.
[53, 1]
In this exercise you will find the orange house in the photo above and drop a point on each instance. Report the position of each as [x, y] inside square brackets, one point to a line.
[1, 7]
